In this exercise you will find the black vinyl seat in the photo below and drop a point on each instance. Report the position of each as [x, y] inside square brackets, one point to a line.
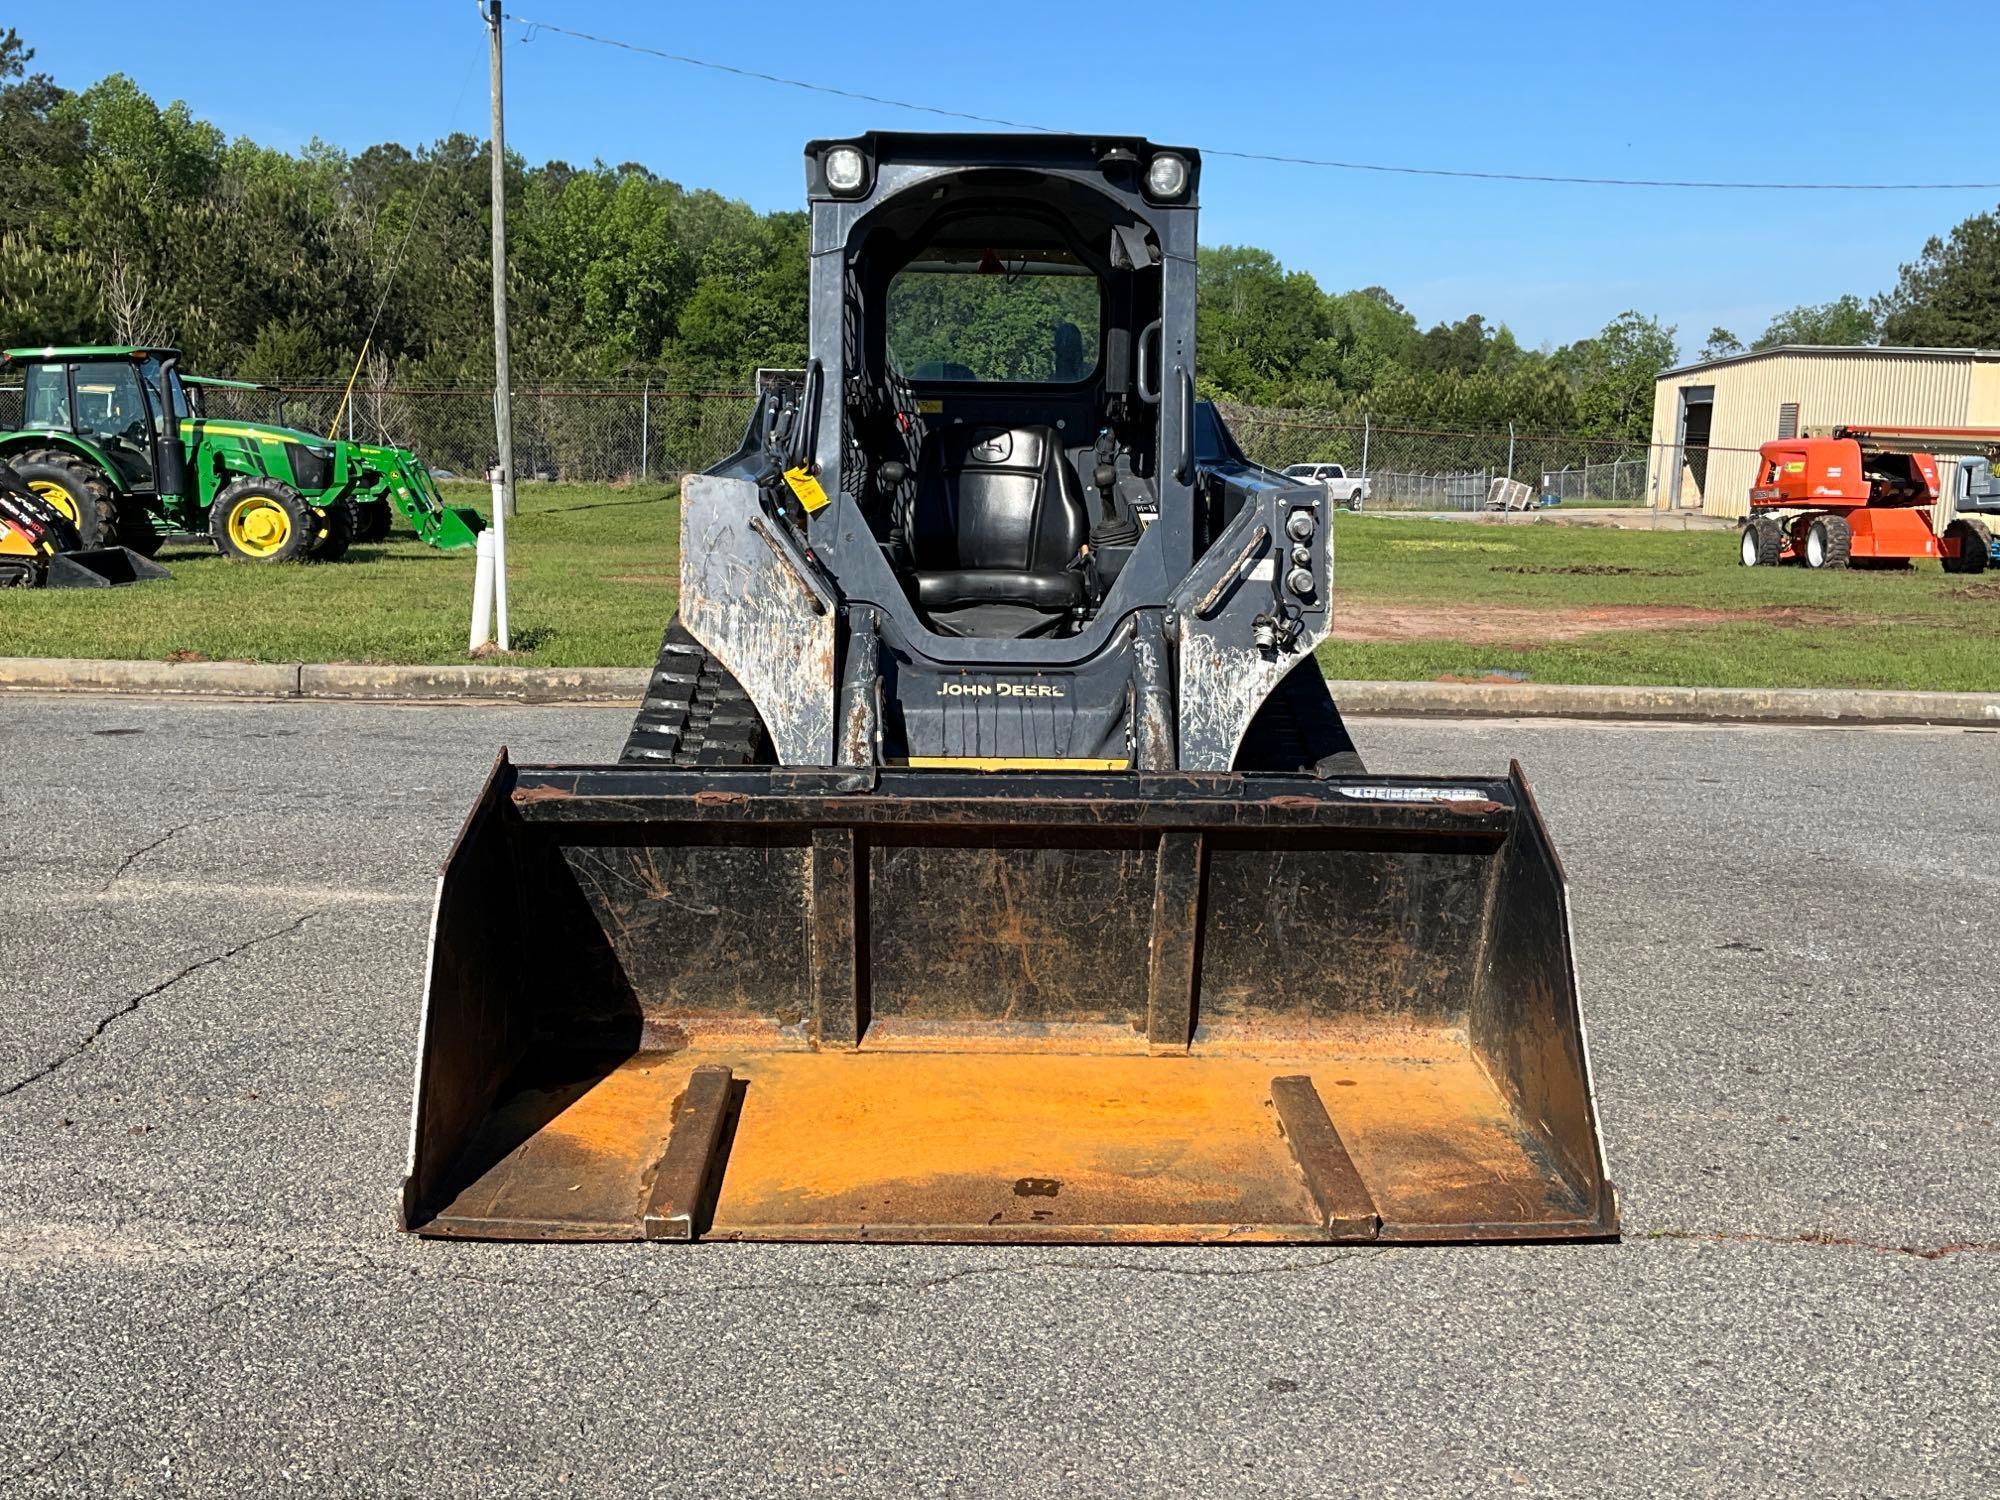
[996, 517]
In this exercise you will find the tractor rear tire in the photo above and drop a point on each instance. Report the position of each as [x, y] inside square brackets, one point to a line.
[1763, 540]
[77, 488]
[1828, 542]
[695, 713]
[1975, 546]
[262, 520]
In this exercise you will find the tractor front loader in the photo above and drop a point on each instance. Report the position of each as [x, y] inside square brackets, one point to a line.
[989, 861]
[378, 477]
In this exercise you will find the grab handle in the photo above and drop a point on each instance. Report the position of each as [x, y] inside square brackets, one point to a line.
[1149, 389]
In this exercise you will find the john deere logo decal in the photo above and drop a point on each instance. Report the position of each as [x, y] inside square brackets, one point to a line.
[959, 687]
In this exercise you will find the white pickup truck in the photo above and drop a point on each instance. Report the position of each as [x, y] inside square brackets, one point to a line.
[1350, 490]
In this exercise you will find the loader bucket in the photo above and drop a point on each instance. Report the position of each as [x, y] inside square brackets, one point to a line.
[450, 528]
[925, 1005]
[101, 568]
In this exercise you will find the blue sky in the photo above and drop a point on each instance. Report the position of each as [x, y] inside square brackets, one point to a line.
[1825, 91]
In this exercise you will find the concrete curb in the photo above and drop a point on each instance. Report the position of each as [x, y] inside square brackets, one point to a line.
[475, 683]
[511, 684]
[1504, 700]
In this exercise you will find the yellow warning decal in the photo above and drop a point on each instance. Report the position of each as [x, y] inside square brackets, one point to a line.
[931, 407]
[1795, 468]
[809, 490]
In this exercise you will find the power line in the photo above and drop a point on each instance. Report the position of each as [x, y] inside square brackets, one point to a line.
[1330, 163]
[793, 83]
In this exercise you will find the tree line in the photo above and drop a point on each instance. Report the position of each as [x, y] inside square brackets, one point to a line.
[127, 221]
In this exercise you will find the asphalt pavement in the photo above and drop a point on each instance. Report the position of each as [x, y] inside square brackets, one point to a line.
[212, 931]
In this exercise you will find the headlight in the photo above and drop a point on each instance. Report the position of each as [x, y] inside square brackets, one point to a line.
[1166, 176]
[844, 168]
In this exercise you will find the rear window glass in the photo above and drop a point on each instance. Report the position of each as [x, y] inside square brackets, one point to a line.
[994, 318]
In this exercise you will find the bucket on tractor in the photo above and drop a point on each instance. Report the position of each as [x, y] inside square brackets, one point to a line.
[924, 1005]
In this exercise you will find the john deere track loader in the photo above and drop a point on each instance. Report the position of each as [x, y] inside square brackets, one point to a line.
[989, 861]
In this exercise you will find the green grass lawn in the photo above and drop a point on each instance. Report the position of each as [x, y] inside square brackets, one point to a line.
[1920, 628]
[591, 582]
[592, 572]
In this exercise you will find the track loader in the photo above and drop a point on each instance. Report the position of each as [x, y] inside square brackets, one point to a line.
[989, 861]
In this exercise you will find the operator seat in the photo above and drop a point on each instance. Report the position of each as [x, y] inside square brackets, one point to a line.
[996, 517]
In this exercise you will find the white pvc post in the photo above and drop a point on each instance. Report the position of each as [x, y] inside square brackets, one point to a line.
[499, 535]
[482, 594]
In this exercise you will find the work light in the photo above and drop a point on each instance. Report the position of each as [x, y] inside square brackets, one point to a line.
[1166, 176]
[844, 168]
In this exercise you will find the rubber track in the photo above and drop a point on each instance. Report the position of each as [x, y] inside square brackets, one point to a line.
[1299, 728]
[695, 713]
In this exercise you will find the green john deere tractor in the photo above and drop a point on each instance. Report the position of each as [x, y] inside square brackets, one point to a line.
[94, 443]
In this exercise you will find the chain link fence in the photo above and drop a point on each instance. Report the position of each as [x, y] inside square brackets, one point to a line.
[617, 435]
[1418, 468]
[586, 436]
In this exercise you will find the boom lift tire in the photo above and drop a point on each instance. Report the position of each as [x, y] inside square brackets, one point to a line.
[1828, 543]
[1763, 541]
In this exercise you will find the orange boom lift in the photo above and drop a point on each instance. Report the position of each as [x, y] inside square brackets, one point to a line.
[1864, 497]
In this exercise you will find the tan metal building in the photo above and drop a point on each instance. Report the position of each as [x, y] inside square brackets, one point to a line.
[1710, 418]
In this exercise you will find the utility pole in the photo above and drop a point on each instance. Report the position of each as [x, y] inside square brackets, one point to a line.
[503, 398]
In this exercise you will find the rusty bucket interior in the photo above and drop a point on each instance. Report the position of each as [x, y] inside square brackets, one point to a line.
[906, 1005]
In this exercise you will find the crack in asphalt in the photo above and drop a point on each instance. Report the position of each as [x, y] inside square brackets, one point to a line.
[1823, 1239]
[140, 853]
[129, 1007]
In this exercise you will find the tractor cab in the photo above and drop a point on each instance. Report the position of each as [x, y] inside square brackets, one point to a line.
[110, 401]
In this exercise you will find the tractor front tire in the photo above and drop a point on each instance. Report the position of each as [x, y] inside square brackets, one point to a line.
[1828, 542]
[335, 532]
[1975, 546]
[262, 520]
[79, 490]
[367, 520]
[1763, 540]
